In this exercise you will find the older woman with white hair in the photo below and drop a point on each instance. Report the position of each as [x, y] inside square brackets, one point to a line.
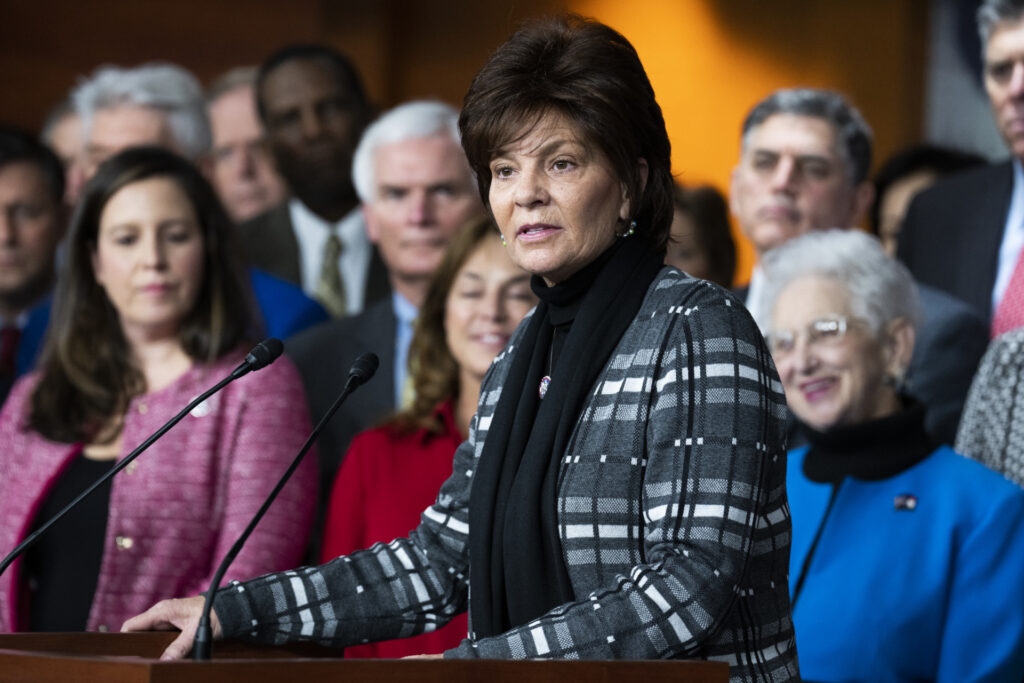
[906, 559]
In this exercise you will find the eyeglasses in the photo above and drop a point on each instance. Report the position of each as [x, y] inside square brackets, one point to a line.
[822, 332]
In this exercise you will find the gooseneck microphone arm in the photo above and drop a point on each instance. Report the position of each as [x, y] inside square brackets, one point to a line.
[263, 354]
[362, 370]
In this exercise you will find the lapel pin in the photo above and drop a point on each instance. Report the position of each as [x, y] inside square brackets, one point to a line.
[906, 501]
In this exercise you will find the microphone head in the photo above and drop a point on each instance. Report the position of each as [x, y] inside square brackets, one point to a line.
[364, 367]
[264, 353]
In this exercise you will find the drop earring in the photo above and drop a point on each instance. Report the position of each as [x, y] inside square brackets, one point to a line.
[503, 242]
[632, 229]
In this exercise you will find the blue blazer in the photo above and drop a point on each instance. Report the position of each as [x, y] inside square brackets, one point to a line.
[909, 589]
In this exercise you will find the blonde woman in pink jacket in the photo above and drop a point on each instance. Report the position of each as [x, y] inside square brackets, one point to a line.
[152, 309]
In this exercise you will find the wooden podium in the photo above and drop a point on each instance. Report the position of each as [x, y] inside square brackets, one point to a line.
[132, 658]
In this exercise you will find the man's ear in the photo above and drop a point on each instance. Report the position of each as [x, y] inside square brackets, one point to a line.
[733, 181]
[863, 196]
[371, 224]
[626, 207]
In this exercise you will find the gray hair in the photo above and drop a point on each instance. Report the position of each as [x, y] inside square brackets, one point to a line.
[881, 288]
[166, 88]
[240, 76]
[418, 119]
[991, 13]
[61, 111]
[852, 130]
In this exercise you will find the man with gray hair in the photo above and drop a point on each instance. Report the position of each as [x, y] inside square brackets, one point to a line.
[162, 105]
[965, 234]
[804, 163]
[153, 104]
[416, 190]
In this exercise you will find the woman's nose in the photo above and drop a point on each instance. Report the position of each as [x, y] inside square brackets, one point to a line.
[530, 188]
[154, 253]
[805, 357]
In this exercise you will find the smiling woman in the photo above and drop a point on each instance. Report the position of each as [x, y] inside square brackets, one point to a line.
[391, 473]
[883, 521]
[151, 310]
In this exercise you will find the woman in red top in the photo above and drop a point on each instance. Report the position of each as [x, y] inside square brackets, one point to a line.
[392, 473]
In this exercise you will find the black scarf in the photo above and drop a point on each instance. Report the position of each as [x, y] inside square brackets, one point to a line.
[869, 451]
[516, 568]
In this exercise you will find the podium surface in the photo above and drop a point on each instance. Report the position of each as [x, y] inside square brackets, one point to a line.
[133, 658]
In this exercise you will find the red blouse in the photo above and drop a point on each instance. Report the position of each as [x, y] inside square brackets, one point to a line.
[385, 482]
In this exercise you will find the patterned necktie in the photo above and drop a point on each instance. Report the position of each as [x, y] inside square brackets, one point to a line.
[330, 288]
[1009, 313]
[9, 337]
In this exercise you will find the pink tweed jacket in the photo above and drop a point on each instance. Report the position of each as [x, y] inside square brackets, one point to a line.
[178, 508]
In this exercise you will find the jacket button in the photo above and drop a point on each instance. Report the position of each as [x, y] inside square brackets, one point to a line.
[124, 542]
[130, 469]
[143, 408]
[102, 628]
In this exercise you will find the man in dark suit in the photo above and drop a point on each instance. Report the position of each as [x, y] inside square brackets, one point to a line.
[32, 223]
[313, 108]
[416, 190]
[803, 166]
[964, 234]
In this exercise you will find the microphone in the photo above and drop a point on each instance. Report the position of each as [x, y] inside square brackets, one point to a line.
[362, 370]
[262, 355]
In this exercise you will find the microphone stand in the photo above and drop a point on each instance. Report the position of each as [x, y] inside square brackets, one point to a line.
[202, 645]
[261, 355]
[30, 541]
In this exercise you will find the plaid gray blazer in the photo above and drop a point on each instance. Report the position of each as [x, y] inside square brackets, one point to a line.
[672, 508]
[991, 429]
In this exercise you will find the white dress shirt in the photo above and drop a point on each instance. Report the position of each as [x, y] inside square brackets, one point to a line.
[311, 231]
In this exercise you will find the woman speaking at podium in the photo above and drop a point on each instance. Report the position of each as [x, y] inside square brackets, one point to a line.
[621, 494]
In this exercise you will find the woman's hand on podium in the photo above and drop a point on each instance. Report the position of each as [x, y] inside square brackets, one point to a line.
[183, 614]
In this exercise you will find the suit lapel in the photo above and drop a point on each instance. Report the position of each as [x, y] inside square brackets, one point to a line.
[979, 245]
[377, 334]
[271, 244]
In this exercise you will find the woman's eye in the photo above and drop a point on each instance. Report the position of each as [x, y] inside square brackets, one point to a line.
[563, 164]
[502, 171]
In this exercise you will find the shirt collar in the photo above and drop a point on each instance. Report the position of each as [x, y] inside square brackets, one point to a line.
[404, 310]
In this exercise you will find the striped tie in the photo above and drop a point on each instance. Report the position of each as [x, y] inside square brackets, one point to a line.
[330, 288]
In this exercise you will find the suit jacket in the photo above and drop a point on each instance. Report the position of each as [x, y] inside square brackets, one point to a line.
[992, 430]
[271, 245]
[952, 233]
[324, 354]
[951, 341]
[285, 308]
[671, 514]
[180, 506]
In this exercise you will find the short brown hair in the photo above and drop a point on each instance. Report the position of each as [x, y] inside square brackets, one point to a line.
[590, 74]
